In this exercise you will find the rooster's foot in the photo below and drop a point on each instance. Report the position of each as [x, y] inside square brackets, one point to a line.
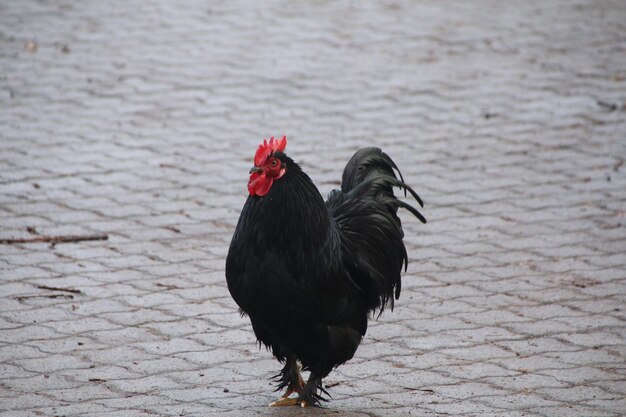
[286, 401]
[290, 378]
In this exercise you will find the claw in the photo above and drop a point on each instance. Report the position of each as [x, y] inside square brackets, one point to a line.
[284, 401]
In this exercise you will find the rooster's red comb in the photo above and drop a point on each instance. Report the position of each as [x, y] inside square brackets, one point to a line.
[267, 148]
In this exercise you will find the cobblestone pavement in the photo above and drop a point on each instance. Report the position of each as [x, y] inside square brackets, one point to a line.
[140, 120]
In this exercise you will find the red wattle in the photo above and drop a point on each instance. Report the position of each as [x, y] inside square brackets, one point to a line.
[259, 184]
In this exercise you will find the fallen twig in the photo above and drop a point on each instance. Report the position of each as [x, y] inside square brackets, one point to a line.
[72, 290]
[168, 286]
[54, 239]
[430, 391]
[610, 106]
[21, 298]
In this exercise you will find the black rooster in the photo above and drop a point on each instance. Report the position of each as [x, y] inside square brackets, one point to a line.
[308, 273]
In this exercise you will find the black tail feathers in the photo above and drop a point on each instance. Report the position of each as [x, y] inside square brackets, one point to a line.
[365, 211]
[371, 172]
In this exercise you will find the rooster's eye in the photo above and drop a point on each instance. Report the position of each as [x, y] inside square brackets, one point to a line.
[274, 162]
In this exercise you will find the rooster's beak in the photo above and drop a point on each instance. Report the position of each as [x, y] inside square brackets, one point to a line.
[255, 169]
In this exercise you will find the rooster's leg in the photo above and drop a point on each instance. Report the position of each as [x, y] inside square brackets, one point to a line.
[311, 394]
[290, 378]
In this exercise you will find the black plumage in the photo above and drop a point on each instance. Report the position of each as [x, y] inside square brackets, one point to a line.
[308, 273]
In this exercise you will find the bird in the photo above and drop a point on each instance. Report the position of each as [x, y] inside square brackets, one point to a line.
[308, 273]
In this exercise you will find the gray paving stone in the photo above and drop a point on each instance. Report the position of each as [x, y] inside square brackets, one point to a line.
[139, 120]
